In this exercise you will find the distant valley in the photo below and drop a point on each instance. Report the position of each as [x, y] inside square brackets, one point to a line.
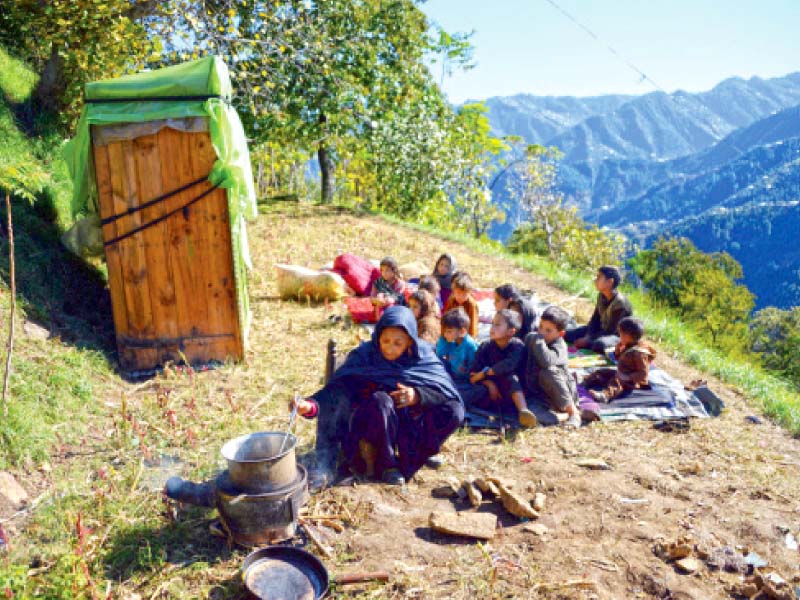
[720, 167]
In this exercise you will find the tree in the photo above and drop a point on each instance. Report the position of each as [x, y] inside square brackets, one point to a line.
[702, 287]
[775, 337]
[473, 149]
[572, 240]
[552, 228]
[313, 73]
[69, 42]
[532, 184]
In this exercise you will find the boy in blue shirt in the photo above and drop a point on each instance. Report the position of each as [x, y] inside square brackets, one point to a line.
[456, 347]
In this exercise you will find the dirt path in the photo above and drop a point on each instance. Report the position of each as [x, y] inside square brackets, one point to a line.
[725, 482]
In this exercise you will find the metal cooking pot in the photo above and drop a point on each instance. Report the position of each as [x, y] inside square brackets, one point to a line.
[256, 463]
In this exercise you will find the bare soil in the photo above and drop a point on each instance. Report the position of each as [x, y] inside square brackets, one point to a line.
[724, 482]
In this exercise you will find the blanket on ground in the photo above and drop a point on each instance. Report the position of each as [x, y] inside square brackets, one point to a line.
[362, 311]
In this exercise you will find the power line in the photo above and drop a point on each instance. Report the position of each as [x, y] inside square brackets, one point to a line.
[643, 76]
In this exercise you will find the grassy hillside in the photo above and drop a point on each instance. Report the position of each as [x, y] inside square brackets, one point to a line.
[53, 383]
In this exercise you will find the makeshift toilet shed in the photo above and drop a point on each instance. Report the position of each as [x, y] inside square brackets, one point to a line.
[160, 162]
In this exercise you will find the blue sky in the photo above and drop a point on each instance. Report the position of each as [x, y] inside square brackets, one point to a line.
[529, 46]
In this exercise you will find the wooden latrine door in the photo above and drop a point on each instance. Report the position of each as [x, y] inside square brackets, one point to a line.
[172, 287]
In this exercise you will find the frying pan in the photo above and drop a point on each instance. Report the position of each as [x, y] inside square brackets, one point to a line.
[288, 573]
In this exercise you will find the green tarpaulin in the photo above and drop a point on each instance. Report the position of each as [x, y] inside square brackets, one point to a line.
[200, 88]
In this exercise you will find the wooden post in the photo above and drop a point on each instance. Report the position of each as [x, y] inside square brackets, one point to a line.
[10, 347]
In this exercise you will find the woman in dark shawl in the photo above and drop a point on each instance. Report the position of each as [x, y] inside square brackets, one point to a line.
[443, 271]
[391, 393]
[508, 296]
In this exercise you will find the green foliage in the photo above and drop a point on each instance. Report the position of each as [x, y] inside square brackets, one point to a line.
[70, 42]
[775, 338]
[553, 229]
[314, 75]
[16, 80]
[572, 240]
[24, 180]
[472, 149]
[701, 287]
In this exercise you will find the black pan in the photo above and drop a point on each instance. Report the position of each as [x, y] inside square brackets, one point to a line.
[288, 573]
[284, 573]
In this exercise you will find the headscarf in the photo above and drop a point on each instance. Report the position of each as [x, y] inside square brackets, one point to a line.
[419, 367]
[445, 280]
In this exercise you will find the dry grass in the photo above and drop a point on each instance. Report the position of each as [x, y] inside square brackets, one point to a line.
[598, 546]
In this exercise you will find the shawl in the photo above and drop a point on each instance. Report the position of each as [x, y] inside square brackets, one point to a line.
[420, 367]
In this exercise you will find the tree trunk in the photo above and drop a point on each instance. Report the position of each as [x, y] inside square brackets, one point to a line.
[13, 282]
[326, 168]
[51, 86]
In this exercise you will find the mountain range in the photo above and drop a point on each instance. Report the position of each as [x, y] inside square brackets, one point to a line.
[720, 167]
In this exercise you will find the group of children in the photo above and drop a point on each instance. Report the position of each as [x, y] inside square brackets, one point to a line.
[526, 354]
[416, 391]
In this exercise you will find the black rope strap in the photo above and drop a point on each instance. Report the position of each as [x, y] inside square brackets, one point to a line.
[153, 99]
[163, 217]
[149, 203]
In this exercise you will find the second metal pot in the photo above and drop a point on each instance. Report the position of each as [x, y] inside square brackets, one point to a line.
[256, 463]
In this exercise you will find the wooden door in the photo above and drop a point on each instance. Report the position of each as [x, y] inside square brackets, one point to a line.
[172, 288]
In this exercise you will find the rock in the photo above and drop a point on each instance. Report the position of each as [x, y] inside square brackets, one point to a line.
[34, 331]
[487, 487]
[473, 493]
[728, 559]
[790, 541]
[694, 468]
[775, 586]
[539, 501]
[748, 589]
[536, 529]
[386, 510]
[448, 489]
[516, 504]
[678, 551]
[597, 464]
[689, 565]
[466, 524]
[12, 491]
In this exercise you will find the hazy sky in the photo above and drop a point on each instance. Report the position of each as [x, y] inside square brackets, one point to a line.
[530, 46]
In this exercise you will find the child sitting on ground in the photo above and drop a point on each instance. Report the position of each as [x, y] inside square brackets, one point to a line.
[389, 288]
[633, 356]
[425, 311]
[443, 271]
[462, 297]
[547, 371]
[498, 364]
[456, 347]
[508, 296]
[611, 307]
[431, 284]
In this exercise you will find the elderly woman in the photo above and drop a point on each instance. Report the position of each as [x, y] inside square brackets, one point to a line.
[387, 409]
